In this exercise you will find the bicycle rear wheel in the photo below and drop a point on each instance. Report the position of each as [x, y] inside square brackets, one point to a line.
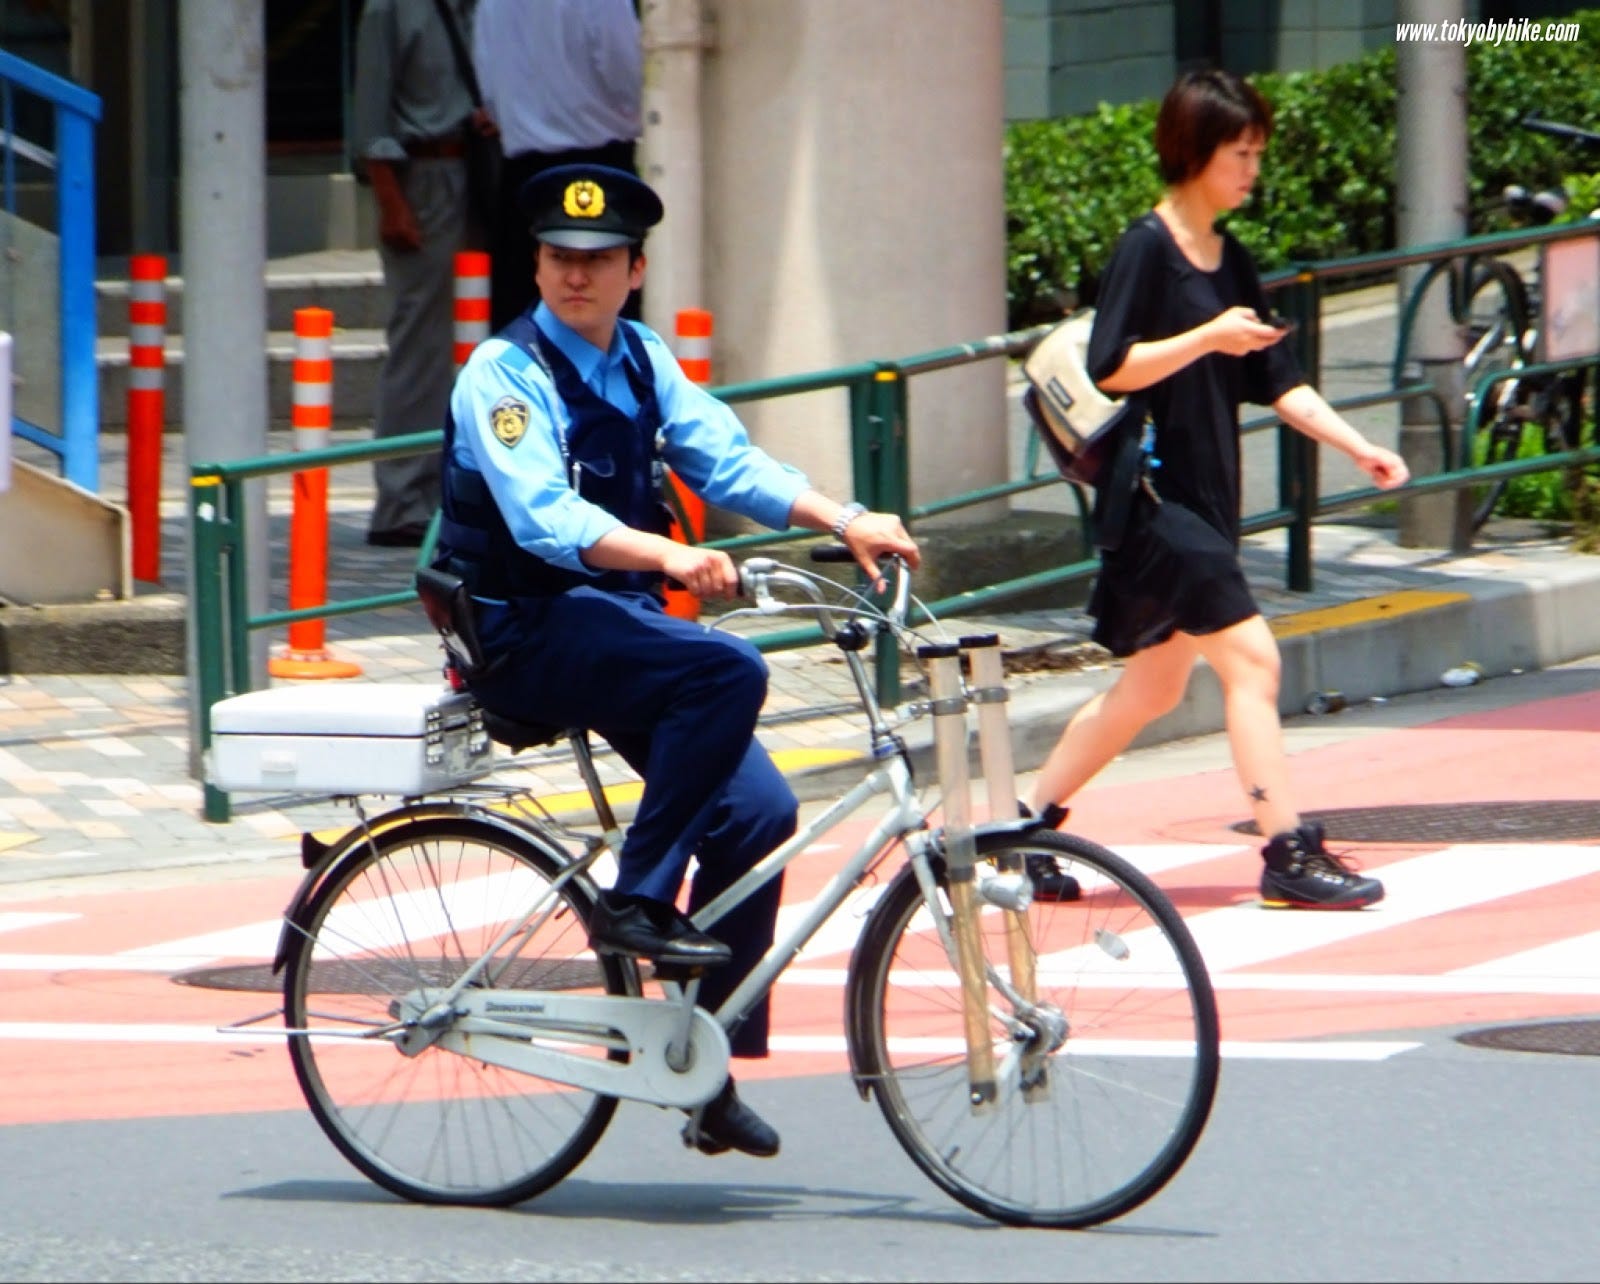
[1124, 1095]
[1544, 417]
[405, 915]
[1495, 317]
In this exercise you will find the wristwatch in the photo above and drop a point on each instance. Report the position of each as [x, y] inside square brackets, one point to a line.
[847, 514]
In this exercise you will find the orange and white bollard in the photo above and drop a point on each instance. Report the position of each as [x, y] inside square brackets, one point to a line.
[311, 417]
[472, 303]
[693, 350]
[147, 413]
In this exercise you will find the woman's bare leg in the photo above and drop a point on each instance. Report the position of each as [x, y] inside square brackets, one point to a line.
[1245, 660]
[1151, 683]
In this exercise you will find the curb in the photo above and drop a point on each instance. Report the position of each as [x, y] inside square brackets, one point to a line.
[136, 636]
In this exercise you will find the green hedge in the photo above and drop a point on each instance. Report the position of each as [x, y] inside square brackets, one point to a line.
[1327, 184]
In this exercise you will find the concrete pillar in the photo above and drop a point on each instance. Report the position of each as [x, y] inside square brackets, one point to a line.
[854, 208]
[223, 242]
[1431, 200]
[672, 156]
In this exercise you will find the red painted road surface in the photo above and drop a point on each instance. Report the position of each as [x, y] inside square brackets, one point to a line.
[92, 1025]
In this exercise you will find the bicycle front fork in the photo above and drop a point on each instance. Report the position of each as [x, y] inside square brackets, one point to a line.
[1008, 889]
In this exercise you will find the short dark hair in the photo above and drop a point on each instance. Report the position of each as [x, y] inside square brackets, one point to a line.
[1202, 111]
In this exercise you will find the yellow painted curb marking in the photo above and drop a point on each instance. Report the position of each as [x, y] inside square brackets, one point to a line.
[799, 759]
[8, 841]
[1386, 606]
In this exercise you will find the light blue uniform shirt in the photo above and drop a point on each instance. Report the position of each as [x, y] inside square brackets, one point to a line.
[560, 75]
[701, 440]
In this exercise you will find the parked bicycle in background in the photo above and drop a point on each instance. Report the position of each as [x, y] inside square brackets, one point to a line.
[1511, 324]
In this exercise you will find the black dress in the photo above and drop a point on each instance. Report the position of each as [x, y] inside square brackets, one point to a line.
[1177, 567]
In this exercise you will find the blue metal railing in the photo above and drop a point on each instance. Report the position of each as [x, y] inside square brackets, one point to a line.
[76, 113]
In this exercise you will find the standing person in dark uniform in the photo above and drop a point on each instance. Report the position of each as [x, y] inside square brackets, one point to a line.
[564, 81]
[558, 430]
[1183, 323]
[411, 112]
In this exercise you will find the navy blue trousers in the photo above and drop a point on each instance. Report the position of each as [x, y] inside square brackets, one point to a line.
[679, 703]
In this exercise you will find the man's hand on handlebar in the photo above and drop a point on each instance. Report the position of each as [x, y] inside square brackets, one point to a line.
[873, 535]
[704, 572]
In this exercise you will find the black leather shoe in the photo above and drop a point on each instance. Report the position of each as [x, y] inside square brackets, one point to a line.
[410, 535]
[726, 1123]
[652, 929]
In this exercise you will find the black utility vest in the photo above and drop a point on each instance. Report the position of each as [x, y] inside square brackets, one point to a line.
[612, 461]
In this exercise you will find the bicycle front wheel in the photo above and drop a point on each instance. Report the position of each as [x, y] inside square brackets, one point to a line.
[1102, 1093]
[405, 915]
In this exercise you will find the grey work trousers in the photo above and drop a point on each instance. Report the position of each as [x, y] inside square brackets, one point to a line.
[419, 370]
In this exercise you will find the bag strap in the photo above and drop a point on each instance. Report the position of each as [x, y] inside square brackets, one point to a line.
[459, 48]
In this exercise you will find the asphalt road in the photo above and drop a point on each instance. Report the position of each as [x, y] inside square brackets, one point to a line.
[1354, 1136]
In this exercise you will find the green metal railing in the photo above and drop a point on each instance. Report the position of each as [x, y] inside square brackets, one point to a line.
[879, 417]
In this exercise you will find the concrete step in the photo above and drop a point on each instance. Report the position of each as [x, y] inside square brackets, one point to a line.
[356, 301]
[357, 359]
[347, 282]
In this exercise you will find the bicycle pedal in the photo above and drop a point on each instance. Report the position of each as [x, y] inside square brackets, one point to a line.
[694, 1139]
[678, 972]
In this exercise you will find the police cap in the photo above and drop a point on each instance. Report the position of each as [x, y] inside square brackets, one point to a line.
[588, 207]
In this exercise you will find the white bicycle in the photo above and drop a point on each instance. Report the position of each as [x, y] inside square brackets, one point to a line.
[460, 1042]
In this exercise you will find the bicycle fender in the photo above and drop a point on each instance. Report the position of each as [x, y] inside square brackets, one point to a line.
[349, 845]
[869, 946]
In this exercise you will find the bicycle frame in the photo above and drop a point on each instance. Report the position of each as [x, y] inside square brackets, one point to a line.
[905, 817]
[672, 1033]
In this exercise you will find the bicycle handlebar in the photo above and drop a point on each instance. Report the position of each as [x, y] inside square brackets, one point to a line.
[759, 575]
[1567, 133]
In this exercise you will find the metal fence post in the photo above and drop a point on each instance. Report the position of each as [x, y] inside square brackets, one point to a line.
[1299, 480]
[211, 538]
[891, 494]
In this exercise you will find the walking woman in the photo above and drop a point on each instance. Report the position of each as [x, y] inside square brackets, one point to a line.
[1182, 322]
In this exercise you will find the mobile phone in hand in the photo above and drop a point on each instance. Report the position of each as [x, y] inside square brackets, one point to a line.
[1282, 324]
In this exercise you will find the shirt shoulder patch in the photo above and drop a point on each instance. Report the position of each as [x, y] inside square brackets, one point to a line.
[508, 417]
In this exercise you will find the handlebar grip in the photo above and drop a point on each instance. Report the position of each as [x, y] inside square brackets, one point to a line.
[1570, 133]
[832, 553]
[750, 570]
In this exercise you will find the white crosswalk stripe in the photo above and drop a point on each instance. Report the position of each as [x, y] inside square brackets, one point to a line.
[1235, 941]
[17, 920]
[1438, 882]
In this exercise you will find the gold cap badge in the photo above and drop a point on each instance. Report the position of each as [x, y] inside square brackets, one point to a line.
[584, 199]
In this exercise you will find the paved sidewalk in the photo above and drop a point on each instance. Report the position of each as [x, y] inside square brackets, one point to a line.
[94, 770]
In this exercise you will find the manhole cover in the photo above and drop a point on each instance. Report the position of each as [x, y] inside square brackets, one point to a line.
[365, 976]
[1482, 822]
[1575, 1038]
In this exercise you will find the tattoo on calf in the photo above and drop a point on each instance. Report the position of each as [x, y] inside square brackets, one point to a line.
[1258, 793]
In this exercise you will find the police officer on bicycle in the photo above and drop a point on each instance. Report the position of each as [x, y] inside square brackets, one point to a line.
[559, 430]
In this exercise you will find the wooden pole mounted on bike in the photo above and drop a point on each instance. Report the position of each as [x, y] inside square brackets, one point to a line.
[949, 709]
[988, 691]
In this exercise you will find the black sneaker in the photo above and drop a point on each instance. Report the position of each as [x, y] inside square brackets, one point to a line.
[1050, 881]
[1302, 874]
